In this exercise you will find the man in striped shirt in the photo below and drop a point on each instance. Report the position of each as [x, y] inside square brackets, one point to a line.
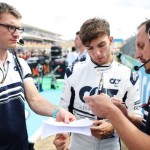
[16, 86]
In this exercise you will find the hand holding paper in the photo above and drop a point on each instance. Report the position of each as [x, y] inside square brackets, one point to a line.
[51, 127]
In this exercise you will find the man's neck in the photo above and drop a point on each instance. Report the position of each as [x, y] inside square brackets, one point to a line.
[81, 50]
[3, 55]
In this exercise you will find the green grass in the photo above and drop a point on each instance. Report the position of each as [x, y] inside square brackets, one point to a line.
[46, 83]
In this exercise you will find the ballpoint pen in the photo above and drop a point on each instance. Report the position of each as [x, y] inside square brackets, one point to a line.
[100, 87]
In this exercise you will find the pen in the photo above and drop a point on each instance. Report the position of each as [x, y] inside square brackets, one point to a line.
[100, 87]
[112, 98]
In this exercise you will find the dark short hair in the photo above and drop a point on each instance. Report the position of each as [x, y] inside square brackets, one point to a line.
[92, 28]
[147, 24]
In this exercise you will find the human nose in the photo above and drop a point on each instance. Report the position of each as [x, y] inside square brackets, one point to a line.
[137, 54]
[97, 51]
[16, 33]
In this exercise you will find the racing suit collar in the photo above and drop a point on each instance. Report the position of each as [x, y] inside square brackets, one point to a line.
[101, 68]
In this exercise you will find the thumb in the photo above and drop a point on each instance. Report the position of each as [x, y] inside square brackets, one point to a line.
[86, 98]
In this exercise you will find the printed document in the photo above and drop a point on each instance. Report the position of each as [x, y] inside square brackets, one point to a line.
[51, 127]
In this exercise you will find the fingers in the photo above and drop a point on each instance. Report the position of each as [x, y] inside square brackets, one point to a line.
[58, 143]
[97, 122]
[87, 99]
[91, 98]
[99, 133]
[94, 98]
[102, 131]
[61, 141]
[65, 116]
[69, 118]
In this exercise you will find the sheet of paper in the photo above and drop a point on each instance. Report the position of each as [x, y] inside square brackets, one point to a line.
[51, 127]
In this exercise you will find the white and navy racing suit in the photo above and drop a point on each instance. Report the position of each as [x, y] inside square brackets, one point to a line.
[13, 132]
[83, 79]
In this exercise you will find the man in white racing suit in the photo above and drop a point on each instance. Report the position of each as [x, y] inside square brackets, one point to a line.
[100, 73]
[133, 138]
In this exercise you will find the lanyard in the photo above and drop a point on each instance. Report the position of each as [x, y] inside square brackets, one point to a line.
[4, 75]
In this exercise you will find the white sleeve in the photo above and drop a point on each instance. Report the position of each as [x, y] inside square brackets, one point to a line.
[27, 74]
[66, 94]
[133, 95]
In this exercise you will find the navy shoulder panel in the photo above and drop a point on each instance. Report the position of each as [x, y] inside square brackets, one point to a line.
[134, 77]
[83, 58]
[69, 70]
